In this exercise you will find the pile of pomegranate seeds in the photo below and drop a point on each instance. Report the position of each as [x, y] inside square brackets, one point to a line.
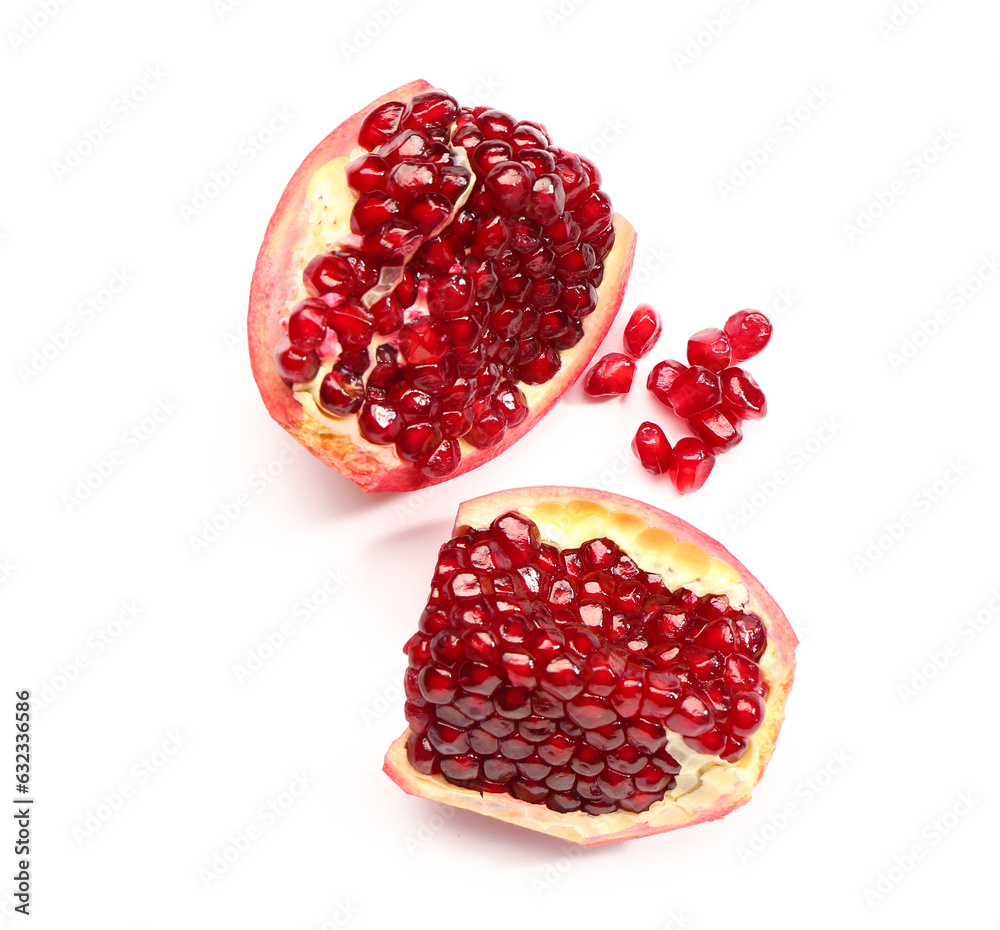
[612, 374]
[710, 394]
[559, 676]
[477, 247]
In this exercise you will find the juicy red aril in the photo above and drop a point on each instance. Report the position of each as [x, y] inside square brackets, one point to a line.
[612, 374]
[710, 349]
[509, 691]
[307, 325]
[652, 448]
[380, 124]
[663, 375]
[717, 428]
[295, 366]
[693, 390]
[741, 395]
[691, 464]
[748, 331]
[642, 331]
[475, 254]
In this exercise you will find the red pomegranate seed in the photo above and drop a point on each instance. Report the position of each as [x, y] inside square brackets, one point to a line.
[380, 124]
[410, 178]
[642, 331]
[293, 365]
[710, 349]
[422, 342]
[367, 173]
[691, 464]
[429, 110]
[380, 423]
[542, 369]
[717, 428]
[547, 200]
[468, 136]
[353, 324]
[307, 325]
[495, 124]
[611, 374]
[652, 448]
[327, 274]
[694, 390]
[340, 394]
[748, 331]
[741, 396]
[409, 143]
[509, 185]
[663, 375]
[593, 213]
[538, 160]
[372, 210]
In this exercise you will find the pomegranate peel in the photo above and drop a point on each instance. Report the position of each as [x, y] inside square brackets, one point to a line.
[691, 564]
[315, 215]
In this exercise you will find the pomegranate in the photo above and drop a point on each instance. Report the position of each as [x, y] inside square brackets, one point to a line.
[592, 668]
[642, 331]
[612, 374]
[434, 278]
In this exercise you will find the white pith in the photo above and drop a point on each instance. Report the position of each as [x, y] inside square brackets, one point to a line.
[704, 780]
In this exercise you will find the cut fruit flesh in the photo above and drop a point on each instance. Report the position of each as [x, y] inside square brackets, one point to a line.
[556, 340]
[706, 787]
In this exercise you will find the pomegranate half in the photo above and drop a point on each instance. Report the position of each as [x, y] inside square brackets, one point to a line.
[592, 668]
[432, 280]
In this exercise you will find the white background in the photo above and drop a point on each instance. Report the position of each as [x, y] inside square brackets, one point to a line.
[878, 798]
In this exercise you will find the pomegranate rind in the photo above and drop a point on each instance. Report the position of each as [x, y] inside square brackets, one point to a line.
[338, 443]
[724, 788]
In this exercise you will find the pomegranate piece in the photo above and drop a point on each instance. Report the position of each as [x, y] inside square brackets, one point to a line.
[693, 390]
[551, 679]
[691, 464]
[642, 331]
[663, 375]
[741, 396]
[652, 448]
[710, 349]
[719, 429]
[748, 332]
[463, 241]
[611, 374]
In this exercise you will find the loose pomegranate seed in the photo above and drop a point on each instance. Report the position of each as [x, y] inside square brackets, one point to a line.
[694, 390]
[741, 396]
[662, 377]
[717, 428]
[611, 374]
[652, 448]
[710, 349]
[748, 331]
[691, 464]
[642, 331]
[535, 704]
